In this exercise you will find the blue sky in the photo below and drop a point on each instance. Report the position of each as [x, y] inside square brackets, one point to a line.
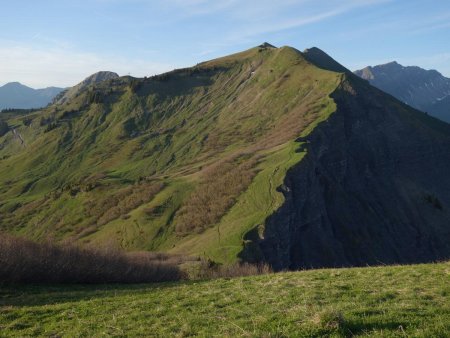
[59, 43]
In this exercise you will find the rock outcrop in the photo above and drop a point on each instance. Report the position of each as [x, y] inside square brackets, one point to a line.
[90, 80]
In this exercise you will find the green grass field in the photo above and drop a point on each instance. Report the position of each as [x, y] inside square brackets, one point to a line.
[390, 301]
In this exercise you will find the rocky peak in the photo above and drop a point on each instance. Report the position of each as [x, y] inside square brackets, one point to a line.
[90, 80]
[322, 60]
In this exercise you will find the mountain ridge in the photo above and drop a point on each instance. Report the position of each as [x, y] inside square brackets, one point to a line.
[234, 158]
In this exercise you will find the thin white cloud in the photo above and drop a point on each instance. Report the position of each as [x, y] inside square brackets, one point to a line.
[255, 18]
[285, 24]
[200, 7]
[39, 67]
[300, 19]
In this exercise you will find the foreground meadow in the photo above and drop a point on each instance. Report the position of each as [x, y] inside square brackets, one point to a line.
[389, 301]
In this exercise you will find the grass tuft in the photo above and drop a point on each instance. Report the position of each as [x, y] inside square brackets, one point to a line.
[329, 319]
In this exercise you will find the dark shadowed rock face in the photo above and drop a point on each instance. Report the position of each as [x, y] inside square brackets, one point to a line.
[322, 60]
[426, 90]
[373, 188]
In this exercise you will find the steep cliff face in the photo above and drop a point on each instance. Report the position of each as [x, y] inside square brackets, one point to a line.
[373, 188]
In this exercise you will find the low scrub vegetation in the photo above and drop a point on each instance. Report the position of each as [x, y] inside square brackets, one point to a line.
[218, 191]
[119, 204]
[23, 261]
[211, 270]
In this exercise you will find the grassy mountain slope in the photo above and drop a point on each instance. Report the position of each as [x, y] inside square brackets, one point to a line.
[265, 155]
[394, 301]
[130, 160]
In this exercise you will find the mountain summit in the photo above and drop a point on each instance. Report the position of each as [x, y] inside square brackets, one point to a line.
[268, 155]
[89, 81]
[266, 45]
[322, 60]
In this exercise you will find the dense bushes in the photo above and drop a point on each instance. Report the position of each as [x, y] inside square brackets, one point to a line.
[23, 261]
[217, 192]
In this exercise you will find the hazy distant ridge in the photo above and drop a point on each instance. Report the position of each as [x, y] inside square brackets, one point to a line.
[426, 90]
[17, 95]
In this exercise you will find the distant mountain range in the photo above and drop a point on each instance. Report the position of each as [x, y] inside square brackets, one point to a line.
[17, 95]
[426, 90]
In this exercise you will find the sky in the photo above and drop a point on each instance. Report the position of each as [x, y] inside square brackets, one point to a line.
[60, 42]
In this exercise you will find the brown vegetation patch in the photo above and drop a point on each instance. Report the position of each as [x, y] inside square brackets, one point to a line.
[211, 270]
[119, 204]
[23, 261]
[216, 194]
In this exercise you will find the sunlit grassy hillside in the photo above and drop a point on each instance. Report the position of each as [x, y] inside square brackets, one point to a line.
[131, 161]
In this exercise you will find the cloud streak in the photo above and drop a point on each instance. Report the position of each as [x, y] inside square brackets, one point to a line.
[256, 18]
[281, 24]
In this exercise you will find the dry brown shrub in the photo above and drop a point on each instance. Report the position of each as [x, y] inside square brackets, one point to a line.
[120, 203]
[216, 194]
[24, 261]
[209, 270]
